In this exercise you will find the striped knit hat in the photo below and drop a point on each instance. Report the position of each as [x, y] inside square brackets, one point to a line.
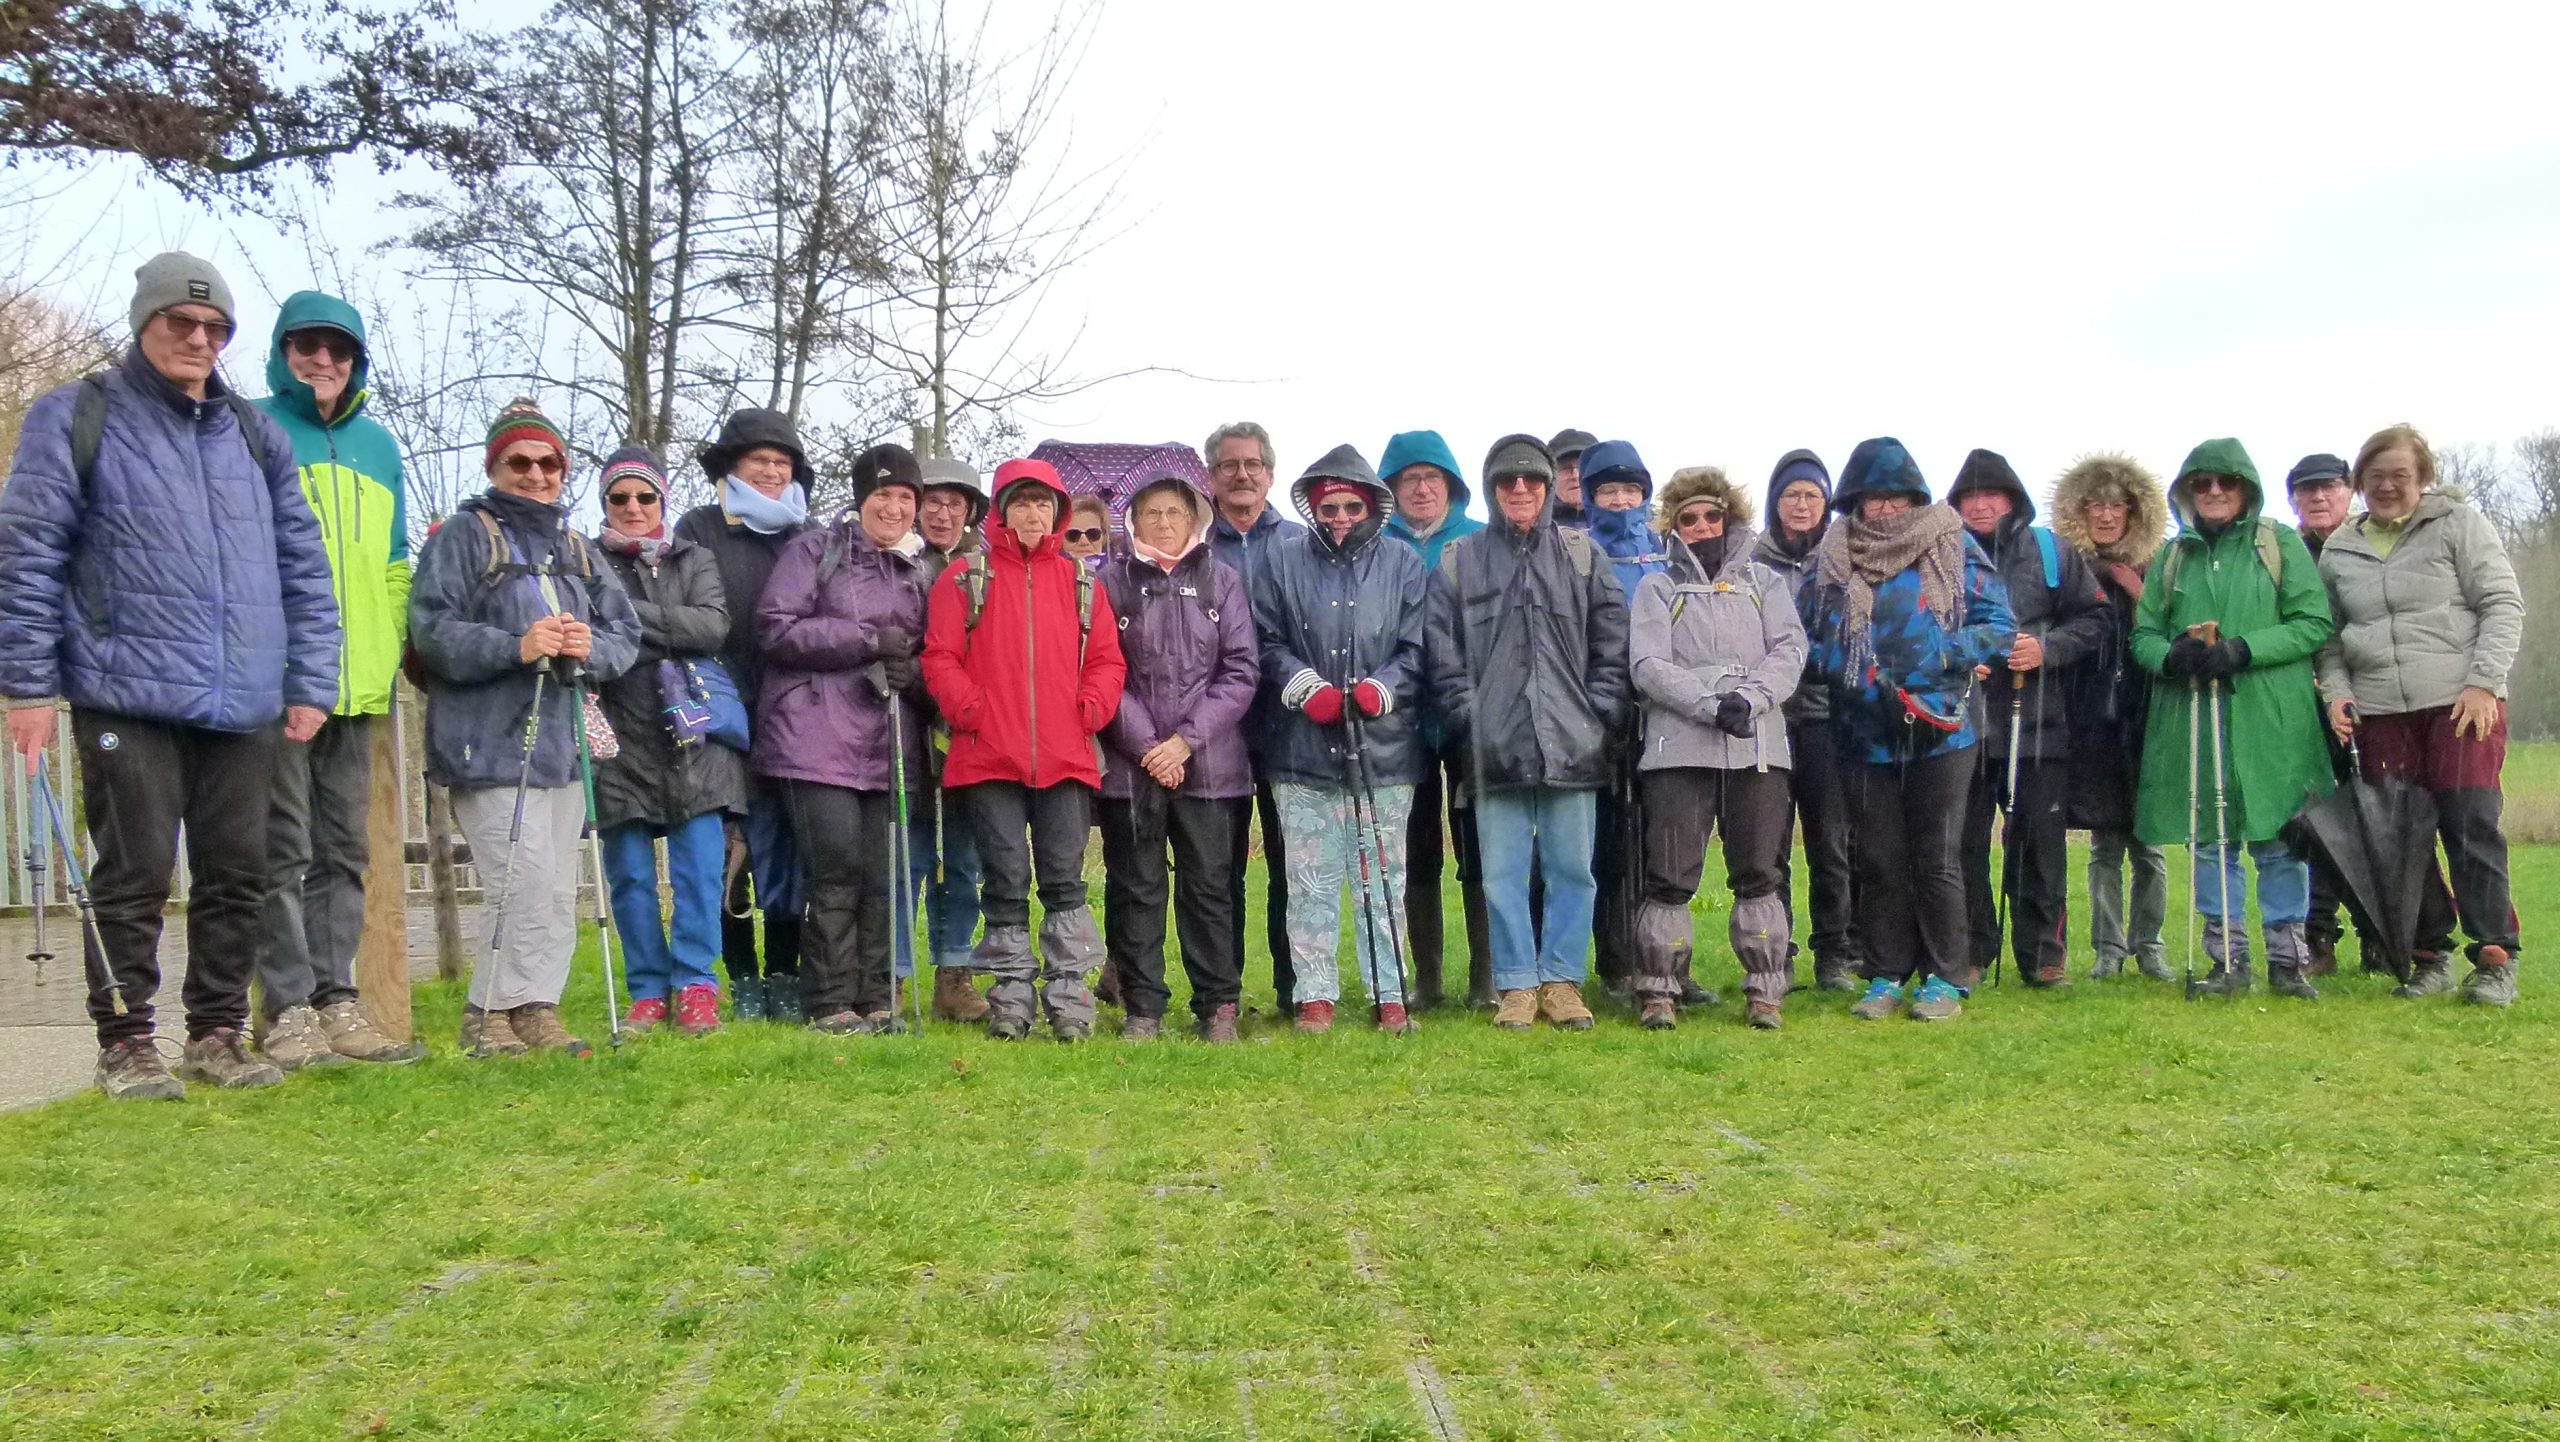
[635, 462]
[522, 420]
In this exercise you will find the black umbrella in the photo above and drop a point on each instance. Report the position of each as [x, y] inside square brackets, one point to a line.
[2379, 834]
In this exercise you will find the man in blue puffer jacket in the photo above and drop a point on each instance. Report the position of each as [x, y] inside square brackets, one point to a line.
[164, 575]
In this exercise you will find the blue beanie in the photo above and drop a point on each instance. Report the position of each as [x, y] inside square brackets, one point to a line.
[1426, 448]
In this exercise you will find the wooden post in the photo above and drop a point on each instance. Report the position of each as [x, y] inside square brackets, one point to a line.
[440, 882]
[382, 957]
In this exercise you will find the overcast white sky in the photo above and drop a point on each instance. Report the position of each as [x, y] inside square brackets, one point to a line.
[1721, 232]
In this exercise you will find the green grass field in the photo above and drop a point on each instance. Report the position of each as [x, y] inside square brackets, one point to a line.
[2100, 1213]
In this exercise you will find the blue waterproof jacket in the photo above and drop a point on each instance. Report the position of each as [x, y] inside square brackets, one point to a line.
[187, 584]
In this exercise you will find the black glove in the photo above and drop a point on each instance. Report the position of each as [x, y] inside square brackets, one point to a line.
[893, 641]
[1733, 715]
[2230, 657]
[2188, 656]
[896, 674]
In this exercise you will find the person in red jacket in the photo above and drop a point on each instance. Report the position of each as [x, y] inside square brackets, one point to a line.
[1022, 655]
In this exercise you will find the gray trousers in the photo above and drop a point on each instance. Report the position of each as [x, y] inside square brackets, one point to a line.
[541, 898]
[317, 850]
[2112, 934]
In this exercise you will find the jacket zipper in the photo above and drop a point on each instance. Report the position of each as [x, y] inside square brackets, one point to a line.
[204, 486]
[1031, 667]
[337, 579]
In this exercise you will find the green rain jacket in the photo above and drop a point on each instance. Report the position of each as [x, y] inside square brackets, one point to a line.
[2275, 756]
[351, 476]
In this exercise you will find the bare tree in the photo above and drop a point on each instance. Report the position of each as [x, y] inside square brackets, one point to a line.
[984, 217]
[2473, 468]
[43, 344]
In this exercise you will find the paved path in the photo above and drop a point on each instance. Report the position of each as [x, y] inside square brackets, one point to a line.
[47, 1049]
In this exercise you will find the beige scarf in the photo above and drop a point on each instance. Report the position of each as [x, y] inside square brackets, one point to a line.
[1858, 554]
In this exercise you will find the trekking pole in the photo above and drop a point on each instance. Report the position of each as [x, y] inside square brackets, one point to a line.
[1364, 795]
[515, 827]
[900, 883]
[1366, 945]
[595, 855]
[38, 954]
[93, 953]
[2221, 833]
[2195, 899]
[2009, 824]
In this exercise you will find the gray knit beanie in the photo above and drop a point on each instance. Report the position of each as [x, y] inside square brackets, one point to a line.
[174, 277]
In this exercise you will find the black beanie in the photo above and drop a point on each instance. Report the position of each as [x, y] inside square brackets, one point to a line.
[886, 465]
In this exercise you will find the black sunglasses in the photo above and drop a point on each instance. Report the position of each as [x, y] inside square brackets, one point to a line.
[632, 498]
[321, 342]
[1092, 533]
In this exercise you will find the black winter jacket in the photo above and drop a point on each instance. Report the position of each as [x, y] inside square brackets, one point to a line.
[682, 616]
[2074, 621]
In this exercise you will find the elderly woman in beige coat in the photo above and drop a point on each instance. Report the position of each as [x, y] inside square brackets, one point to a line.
[1717, 648]
[2429, 621]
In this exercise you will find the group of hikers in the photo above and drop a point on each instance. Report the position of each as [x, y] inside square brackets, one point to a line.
[919, 708]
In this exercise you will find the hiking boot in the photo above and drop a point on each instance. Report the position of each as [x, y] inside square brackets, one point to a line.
[2047, 978]
[2288, 981]
[2492, 981]
[1937, 1001]
[2433, 977]
[1882, 1002]
[294, 1041]
[887, 1023]
[131, 1070]
[1831, 975]
[537, 1025]
[1763, 1016]
[841, 1023]
[1219, 1027]
[784, 999]
[647, 1013]
[2107, 968]
[956, 997]
[223, 1057]
[1519, 1008]
[489, 1033]
[1070, 1031]
[1315, 1018]
[697, 1009]
[746, 997]
[1142, 1028]
[1660, 1013]
[1106, 985]
[2324, 956]
[2226, 979]
[2155, 965]
[1393, 1019]
[1008, 1028]
[1694, 997]
[352, 1034]
[1560, 1002]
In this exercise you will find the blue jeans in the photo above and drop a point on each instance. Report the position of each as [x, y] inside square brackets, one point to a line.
[950, 905]
[657, 960]
[1555, 826]
[2284, 883]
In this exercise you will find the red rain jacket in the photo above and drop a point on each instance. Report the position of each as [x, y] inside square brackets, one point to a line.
[1019, 707]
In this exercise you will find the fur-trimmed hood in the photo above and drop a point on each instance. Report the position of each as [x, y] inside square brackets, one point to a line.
[2092, 477]
[1703, 482]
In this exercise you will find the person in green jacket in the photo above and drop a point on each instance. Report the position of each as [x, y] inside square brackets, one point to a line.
[317, 839]
[2230, 615]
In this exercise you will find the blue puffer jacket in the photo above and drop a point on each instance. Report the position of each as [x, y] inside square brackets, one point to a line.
[189, 586]
[467, 623]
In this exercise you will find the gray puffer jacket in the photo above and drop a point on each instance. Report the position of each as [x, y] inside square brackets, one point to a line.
[2441, 612]
[1529, 654]
[682, 617]
[1697, 638]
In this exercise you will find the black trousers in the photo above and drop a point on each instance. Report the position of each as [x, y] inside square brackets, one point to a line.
[1686, 805]
[141, 780]
[1620, 826]
[847, 931]
[1814, 785]
[317, 851]
[1275, 890]
[1135, 891]
[1910, 890]
[1023, 831]
[2035, 862]
[1431, 820]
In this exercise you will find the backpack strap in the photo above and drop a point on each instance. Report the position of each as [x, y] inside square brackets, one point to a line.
[974, 575]
[2052, 551]
[1577, 549]
[2271, 550]
[1084, 612]
[89, 428]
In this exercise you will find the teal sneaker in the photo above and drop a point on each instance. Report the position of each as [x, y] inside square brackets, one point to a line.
[746, 997]
[1882, 1001]
[1937, 1001]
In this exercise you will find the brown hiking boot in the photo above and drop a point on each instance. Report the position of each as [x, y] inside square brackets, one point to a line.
[1519, 1008]
[537, 1025]
[352, 1034]
[1142, 1028]
[1219, 1027]
[294, 1040]
[2048, 978]
[489, 1033]
[223, 1057]
[1560, 1002]
[2324, 957]
[956, 996]
[131, 1070]
[1660, 1013]
[1764, 1016]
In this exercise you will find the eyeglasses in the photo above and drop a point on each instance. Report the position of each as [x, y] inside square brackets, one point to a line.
[1343, 510]
[1082, 533]
[2211, 481]
[1694, 515]
[1248, 467]
[532, 465]
[307, 343]
[632, 498]
[184, 327]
